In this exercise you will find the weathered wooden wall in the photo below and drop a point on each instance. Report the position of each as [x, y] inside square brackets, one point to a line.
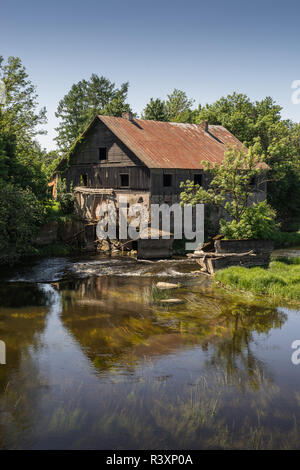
[178, 176]
[106, 173]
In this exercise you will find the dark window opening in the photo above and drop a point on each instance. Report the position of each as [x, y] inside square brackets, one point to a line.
[252, 181]
[83, 180]
[124, 180]
[198, 179]
[102, 153]
[167, 180]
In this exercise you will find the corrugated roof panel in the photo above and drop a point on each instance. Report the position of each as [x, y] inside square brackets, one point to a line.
[171, 145]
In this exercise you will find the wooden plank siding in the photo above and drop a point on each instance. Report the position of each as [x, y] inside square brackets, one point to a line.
[120, 159]
[178, 176]
[106, 173]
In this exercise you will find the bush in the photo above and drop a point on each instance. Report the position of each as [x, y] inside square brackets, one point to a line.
[286, 239]
[20, 216]
[257, 222]
[65, 198]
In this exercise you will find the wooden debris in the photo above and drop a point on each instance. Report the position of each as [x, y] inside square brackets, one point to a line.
[225, 253]
[212, 254]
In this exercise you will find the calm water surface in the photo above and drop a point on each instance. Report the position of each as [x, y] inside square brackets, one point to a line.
[95, 361]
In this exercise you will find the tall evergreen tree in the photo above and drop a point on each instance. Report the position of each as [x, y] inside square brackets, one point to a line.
[83, 102]
[155, 110]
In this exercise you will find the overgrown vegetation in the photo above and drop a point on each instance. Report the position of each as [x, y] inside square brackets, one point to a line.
[280, 280]
[286, 239]
[257, 222]
[23, 183]
[25, 168]
[231, 188]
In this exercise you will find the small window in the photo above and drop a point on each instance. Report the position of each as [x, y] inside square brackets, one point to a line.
[252, 181]
[102, 153]
[124, 178]
[167, 180]
[198, 179]
[83, 180]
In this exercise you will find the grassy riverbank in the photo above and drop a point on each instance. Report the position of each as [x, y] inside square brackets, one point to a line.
[286, 239]
[280, 280]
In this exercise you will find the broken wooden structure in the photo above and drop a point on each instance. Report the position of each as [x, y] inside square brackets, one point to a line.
[220, 254]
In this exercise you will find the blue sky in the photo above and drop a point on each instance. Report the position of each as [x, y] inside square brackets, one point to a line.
[208, 49]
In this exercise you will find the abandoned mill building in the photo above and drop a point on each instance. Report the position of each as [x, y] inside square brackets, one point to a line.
[142, 159]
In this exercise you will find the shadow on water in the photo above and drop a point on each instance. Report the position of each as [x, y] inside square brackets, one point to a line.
[94, 361]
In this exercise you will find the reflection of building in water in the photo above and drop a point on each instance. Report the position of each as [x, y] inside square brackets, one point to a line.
[116, 323]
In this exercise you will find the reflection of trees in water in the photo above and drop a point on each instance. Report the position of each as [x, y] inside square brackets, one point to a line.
[234, 354]
[116, 325]
[22, 320]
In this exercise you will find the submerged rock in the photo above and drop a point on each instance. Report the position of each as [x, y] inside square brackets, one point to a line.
[172, 301]
[167, 285]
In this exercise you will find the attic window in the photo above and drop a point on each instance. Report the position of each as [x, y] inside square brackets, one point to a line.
[198, 179]
[124, 180]
[167, 180]
[83, 180]
[102, 153]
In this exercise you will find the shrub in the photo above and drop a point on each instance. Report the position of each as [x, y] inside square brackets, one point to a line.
[20, 216]
[65, 198]
[256, 222]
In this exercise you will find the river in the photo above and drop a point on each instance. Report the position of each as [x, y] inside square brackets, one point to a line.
[95, 361]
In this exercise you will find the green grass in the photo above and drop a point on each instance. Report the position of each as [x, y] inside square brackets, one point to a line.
[280, 280]
[286, 239]
[156, 294]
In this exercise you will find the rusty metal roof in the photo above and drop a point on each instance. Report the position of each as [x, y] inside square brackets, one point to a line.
[170, 144]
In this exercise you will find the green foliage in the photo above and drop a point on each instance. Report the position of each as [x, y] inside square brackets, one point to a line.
[21, 158]
[65, 197]
[19, 116]
[23, 175]
[176, 108]
[156, 110]
[260, 121]
[231, 188]
[157, 294]
[245, 119]
[55, 249]
[116, 107]
[83, 102]
[281, 280]
[177, 104]
[49, 163]
[256, 222]
[285, 239]
[20, 215]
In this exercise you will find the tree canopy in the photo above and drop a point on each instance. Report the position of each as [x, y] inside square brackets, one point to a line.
[23, 182]
[177, 107]
[83, 102]
[232, 187]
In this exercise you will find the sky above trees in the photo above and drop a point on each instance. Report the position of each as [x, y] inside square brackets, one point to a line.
[206, 49]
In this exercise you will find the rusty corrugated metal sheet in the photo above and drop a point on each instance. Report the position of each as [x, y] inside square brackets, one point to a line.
[171, 145]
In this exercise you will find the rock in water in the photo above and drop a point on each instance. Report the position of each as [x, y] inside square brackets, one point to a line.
[172, 301]
[167, 285]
